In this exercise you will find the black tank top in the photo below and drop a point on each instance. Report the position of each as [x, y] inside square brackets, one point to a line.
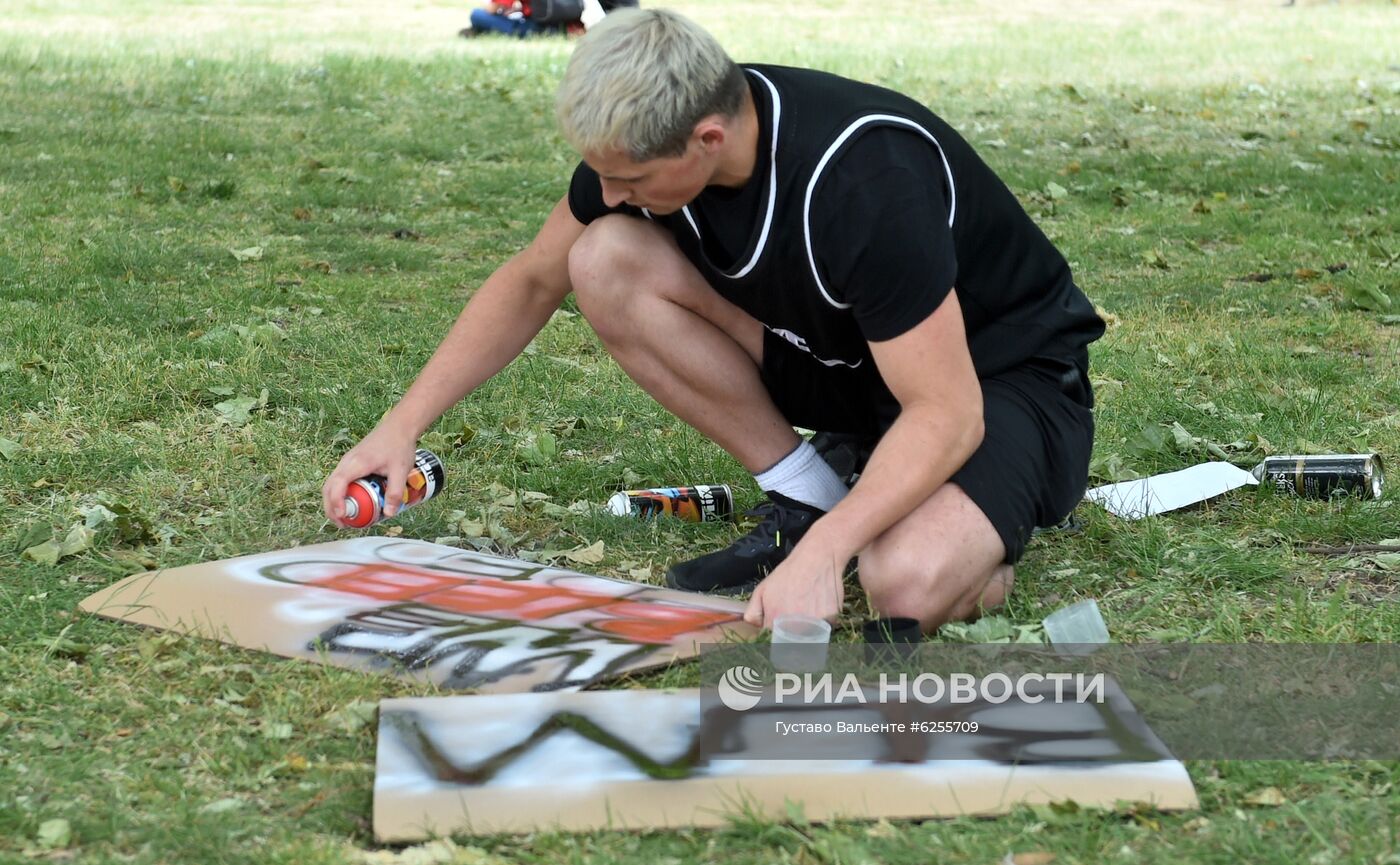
[817, 249]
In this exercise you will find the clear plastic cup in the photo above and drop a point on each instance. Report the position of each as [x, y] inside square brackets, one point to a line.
[1079, 624]
[799, 644]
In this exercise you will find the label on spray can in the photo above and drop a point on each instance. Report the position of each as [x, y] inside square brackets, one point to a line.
[364, 500]
[700, 503]
[1321, 476]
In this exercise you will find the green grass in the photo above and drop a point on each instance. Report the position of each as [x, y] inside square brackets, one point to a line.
[1190, 147]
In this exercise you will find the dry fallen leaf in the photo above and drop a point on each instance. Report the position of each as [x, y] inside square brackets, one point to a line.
[1110, 320]
[79, 539]
[236, 412]
[1155, 258]
[1368, 297]
[353, 716]
[1268, 797]
[222, 806]
[590, 555]
[443, 851]
[55, 834]
[276, 730]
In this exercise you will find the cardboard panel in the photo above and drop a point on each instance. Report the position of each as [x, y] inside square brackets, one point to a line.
[629, 760]
[460, 619]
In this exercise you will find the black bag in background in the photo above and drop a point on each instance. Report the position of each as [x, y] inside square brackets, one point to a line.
[610, 5]
[556, 11]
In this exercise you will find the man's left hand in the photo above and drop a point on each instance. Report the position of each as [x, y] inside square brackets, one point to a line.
[809, 582]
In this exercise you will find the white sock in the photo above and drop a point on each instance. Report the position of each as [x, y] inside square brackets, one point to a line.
[803, 475]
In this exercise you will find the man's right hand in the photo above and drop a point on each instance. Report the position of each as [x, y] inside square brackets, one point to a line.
[385, 451]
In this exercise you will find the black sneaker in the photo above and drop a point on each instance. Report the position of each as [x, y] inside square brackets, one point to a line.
[741, 565]
[1070, 525]
[846, 453]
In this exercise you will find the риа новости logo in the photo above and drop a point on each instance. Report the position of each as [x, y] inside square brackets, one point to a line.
[740, 688]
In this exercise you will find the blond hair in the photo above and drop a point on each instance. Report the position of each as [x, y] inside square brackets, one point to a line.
[639, 82]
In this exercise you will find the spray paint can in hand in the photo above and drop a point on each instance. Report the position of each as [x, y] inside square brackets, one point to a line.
[364, 500]
[1323, 475]
[698, 504]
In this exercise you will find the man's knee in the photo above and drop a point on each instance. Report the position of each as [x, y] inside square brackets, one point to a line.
[605, 260]
[911, 583]
[901, 582]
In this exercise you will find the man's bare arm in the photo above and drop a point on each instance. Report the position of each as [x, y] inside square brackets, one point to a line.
[501, 318]
[929, 370]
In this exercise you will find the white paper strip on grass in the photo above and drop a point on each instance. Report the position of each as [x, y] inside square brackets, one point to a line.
[1158, 494]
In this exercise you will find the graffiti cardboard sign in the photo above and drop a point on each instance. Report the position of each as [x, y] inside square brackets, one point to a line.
[458, 618]
[525, 762]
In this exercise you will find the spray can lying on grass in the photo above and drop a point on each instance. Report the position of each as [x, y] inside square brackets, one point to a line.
[364, 500]
[1323, 475]
[698, 504]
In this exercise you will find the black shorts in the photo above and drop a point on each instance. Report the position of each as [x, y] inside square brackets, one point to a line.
[1033, 464]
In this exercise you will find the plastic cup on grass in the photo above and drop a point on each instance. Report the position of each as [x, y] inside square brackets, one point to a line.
[1079, 624]
[799, 644]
